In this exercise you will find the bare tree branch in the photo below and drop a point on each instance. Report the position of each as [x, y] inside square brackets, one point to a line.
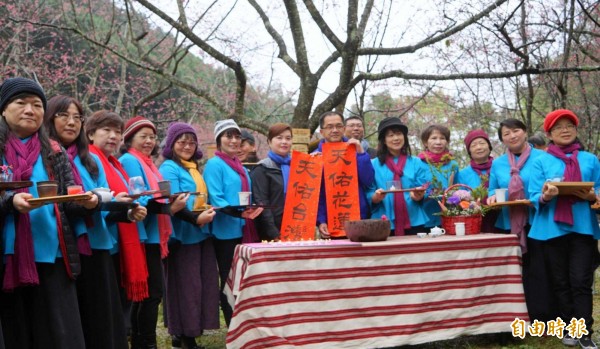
[433, 40]
[320, 22]
[283, 53]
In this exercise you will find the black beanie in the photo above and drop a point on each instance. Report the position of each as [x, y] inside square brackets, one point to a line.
[13, 87]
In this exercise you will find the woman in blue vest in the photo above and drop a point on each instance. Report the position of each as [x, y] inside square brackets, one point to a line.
[442, 166]
[140, 143]
[395, 162]
[39, 306]
[225, 177]
[477, 173]
[192, 279]
[514, 171]
[565, 225]
[97, 288]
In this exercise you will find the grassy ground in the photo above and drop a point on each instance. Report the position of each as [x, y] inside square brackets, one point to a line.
[216, 339]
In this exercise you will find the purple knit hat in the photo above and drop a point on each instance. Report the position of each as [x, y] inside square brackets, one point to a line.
[176, 129]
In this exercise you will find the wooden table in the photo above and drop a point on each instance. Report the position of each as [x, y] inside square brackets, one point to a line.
[406, 290]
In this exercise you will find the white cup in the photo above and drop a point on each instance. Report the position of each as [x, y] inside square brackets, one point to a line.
[501, 195]
[105, 193]
[422, 235]
[459, 228]
[245, 197]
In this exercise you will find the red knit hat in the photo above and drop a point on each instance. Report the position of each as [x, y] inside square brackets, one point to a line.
[553, 117]
[135, 124]
[471, 136]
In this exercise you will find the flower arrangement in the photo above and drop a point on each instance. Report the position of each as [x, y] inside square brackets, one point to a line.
[462, 206]
[462, 202]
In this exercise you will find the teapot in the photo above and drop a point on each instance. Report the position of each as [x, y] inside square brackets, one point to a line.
[437, 231]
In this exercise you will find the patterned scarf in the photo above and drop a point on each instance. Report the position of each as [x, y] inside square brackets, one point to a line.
[192, 168]
[153, 176]
[402, 221]
[134, 271]
[249, 231]
[564, 204]
[516, 191]
[284, 163]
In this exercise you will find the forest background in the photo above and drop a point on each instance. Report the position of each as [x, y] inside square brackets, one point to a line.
[464, 64]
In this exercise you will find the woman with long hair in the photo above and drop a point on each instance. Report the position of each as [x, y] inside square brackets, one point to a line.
[97, 288]
[394, 162]
[39, 303]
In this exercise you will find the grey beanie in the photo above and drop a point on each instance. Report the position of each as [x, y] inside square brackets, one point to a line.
[223, 125]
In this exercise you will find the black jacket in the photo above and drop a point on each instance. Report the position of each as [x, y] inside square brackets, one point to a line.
[267, 189]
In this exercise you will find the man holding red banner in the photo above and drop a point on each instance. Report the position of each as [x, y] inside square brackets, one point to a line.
[332, 130]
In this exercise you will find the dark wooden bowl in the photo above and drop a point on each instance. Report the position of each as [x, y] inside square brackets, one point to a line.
[367, 230]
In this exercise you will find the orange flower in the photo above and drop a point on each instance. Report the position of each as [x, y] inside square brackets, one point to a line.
[464, 205]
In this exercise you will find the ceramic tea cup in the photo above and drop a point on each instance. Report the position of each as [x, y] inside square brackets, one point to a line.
[104, 193]
[47, 188]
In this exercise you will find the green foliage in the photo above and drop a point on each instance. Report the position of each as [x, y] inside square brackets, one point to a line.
[439, 175]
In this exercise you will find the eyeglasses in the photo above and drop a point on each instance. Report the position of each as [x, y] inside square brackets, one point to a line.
[569, 127]
[331, 127]
[184, 144]
[66, 116]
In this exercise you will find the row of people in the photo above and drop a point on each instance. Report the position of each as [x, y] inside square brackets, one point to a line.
[118, 253]
[560, 252]
[92, 269]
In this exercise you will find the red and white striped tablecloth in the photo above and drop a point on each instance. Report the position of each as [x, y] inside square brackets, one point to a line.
[406, 290]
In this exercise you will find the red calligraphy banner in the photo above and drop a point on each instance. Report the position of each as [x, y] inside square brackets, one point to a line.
[302, 198]
[341, 186]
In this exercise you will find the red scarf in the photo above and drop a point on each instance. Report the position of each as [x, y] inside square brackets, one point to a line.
[516, 191]
[564, 204]
[134, 272]
[436, 159]
[249, 231]
[153, 176]
[402, 220]
[83, 242]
